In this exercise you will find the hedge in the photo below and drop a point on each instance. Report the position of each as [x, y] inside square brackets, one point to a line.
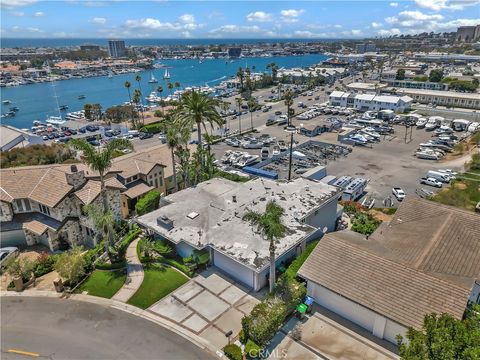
[233, 352]
[101, 265]
[252, 349]
[148, 202]
[153, 128]
[292, 270]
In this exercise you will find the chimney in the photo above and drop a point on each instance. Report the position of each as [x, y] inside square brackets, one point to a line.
[73, 168]
[234, 198]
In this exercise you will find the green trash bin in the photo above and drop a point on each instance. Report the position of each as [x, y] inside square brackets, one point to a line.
[301, 310]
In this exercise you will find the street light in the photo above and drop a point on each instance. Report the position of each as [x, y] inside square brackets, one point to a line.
[290, 129]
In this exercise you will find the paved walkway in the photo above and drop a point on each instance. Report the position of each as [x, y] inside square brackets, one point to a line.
[134, 273]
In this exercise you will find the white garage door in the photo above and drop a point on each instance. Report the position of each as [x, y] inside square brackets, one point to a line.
[342, 306]
[237, 271]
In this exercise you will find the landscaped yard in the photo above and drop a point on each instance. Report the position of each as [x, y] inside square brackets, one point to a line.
[104, 283]
[158, 282]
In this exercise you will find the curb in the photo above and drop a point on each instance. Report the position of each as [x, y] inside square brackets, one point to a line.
[130, 309]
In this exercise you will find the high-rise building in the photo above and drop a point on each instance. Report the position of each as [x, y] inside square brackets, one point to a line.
[116, 48]
[234, 52]
[468, 33]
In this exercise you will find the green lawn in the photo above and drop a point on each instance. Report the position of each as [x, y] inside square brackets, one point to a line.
[104, 283]
[158, 282]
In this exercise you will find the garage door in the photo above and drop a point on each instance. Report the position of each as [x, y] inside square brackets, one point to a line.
[12, 238]
[342, 306]
[237, 271]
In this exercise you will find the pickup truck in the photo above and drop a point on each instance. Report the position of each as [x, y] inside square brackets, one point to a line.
[430, 181]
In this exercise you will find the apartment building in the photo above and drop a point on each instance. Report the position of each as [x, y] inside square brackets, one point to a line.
[364, 102]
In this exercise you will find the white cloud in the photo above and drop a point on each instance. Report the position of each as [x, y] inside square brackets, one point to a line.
[187, 19]
[438, 5]
[28, 29]
[98, 20]
[17, 13]
[39, 14]
[186, 34]
[291, 15]
[337, 26]
[413, 19]
[390, 32]
[259, 16]
[394, 4]
[215, 15]
[9, 4]
[376, 25]
[237, 30]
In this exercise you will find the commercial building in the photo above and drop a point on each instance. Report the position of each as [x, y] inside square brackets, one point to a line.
[209, 217]
[43, 205]
[364, 102]
[422, 85]
[11, 138]
[365, 48]
[426, 259]
[116, 48]
[444, 98]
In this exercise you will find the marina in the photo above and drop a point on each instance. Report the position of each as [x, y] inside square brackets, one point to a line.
[37, 102]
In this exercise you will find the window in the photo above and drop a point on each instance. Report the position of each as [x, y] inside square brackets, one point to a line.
[156, 183]
[134, 177]
[44, 209]
[22, 205]
[160, 181]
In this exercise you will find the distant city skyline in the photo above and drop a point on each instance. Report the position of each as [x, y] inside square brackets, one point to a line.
[232, 19]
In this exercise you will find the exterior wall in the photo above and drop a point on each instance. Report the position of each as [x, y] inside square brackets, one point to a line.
[237, 271]
[6, 213]
[377, 324]
[76, 179]
[451, 100]
[326, 216]
[183, 249]
[124, 206]
[155, 178]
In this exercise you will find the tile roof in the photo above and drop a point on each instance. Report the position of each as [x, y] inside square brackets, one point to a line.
[398, 292]
[137, 190]
[19, 222]
[90, 191]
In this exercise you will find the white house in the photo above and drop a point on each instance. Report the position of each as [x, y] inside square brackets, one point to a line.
[209, 216]
[364, 102]
[427, 259]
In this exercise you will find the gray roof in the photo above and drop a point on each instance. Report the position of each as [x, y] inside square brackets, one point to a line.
[219, 221]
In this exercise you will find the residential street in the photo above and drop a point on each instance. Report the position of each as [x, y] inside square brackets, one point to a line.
[67, 329]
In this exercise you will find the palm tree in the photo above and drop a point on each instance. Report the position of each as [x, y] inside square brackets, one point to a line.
[127, 86]
[101, 220]
[199, 109]
[176, 137]
[160, 91]
[138, 79]
[241, 76]
[274, 68]
[270, 225]
[225, 108]
[177, 85]
[251, 105]
[288, 96]
[100, 161]
[170, 87]
[239, 101]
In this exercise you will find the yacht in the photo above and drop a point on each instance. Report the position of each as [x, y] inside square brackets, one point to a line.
[428, 154]
[167, 74]
[6, 102]
[265, 153]
[246, 160]
[276, 150]
[81, 97]
[55, 120]
[421, 123]
[371, 132]
[63, 107]
[358, 139]
[225, 158]
[282, 145]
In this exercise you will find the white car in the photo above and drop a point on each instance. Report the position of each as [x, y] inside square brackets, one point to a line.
[7, 253]
[398, 193]
[431, 181]
[162, 138]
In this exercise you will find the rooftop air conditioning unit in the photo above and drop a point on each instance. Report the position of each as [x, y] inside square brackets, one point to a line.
[165, 222]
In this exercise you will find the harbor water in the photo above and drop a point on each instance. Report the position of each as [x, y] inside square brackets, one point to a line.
[37, 101]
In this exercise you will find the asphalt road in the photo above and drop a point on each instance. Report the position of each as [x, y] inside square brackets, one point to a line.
[67, 329]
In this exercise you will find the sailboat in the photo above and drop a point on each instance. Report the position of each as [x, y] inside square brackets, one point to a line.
[55, 120]
[110, 74]
[167, 74]
[152, 80]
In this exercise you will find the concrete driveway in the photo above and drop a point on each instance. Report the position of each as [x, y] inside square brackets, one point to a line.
[327, 337]
[210, 305]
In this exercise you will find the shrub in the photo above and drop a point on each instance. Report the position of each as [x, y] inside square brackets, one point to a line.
[242, 337]
[365, 224]
[148, 202]
[71, 265]
[265, 319]
[233, 352]
[102, 265]
[37, 155]
[252, 349]
[153, 128]
[43, 264]
[290, 291]
[351, 207]
[178, 265]
[162, 247]
[20, 267]
[123, 245]
[298, 262]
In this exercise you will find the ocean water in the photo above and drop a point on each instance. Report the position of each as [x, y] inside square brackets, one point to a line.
[37, 101]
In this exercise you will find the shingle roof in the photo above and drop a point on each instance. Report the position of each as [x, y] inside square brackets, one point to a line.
[90, 191]
[400, 293]
[137, 190]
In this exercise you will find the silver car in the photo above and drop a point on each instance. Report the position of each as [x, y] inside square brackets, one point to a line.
[7, 253]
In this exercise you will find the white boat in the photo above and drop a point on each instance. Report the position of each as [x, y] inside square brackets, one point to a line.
[252, 144]
[421, 122]
[282, 145]
[371, 132]
[265, 153]
[167, 74]
[359, 139]
[6, 102]
[276, 150]
[247, 160]
[225, 158]
[110, 74]
[152, 80]
[428, 154]
[368, 202]
[55, 120]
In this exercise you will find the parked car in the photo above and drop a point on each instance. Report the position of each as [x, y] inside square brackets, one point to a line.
[270, 122]
[163, 138]
[7, 253]
[431, 181]
[278, 112]
[398, 193]
[144, 136]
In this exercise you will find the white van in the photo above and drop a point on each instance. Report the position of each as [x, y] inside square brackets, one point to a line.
[443, 177]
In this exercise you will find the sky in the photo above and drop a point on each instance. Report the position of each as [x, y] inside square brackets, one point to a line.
[232, 19]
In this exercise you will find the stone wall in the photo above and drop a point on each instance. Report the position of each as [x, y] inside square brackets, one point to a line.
[76, 179]
[6, 213]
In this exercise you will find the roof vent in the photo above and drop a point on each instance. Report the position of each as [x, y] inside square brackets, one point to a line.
[165, 222]
[234, 198]
[192, 215]
[73, 168]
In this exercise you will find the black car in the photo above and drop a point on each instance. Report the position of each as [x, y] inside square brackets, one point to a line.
[83, 130]
[144, 136]
[270, 122]
[51, 136]
[108, 134]
[90, 128]
[56, 135]
[278, 112]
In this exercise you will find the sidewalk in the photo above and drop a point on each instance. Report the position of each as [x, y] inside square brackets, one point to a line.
[134, 274]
